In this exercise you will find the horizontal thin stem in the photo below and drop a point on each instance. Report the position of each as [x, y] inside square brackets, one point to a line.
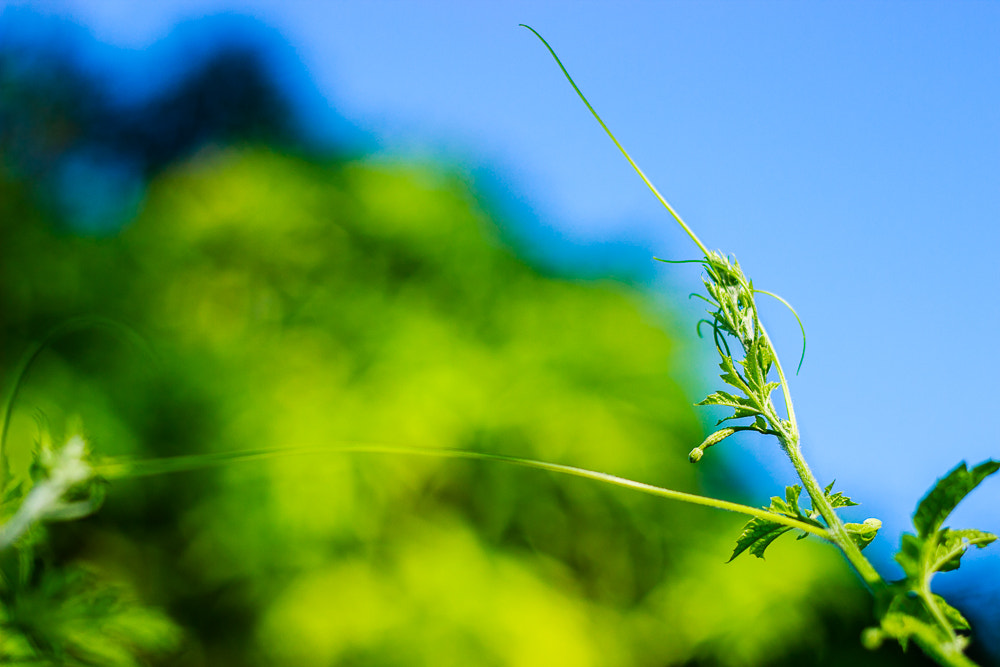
[123, 468]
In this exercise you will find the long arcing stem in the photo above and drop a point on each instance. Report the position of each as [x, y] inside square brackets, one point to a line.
[649, 184]
[126, 468]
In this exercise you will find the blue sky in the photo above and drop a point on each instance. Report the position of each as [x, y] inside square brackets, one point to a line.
[848, 153]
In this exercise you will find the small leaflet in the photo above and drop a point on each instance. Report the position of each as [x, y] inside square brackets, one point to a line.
[758, 534]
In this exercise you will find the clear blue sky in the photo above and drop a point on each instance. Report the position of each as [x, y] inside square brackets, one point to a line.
[848, 153]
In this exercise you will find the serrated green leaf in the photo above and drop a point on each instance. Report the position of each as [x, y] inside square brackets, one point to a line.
[792, 494]
[757, 535]
[760, 546]
[939, 502]
[907, 617]
[953, 615]
[768, 388]
[840, 500]
[731, 376]
[726, 399]
[904, 627]
[837, 499]
[742, 407]
[976, 538]
[916, 613]
[757, 364]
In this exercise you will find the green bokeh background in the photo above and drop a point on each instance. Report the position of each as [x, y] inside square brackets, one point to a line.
[288, 299]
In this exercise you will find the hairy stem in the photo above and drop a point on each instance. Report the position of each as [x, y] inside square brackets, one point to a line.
[785, 391]
[790, 442]
[838, 533]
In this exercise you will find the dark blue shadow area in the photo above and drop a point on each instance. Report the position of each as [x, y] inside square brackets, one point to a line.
[93, 123]
[89, 124]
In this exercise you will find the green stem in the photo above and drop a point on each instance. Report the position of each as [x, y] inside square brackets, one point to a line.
[950, 654]
[790, 442]
[838, 533]
[785, 391]
[121, 468]
[932, 606]
[946, 655]
[649, 184]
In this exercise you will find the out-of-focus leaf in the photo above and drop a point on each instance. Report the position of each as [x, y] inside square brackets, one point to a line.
[947, 493]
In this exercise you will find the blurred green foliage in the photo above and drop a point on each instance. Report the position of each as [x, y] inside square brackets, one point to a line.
[290, 302]
[294, 303]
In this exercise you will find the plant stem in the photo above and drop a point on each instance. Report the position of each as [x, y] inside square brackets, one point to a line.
[946, 655]
[649, 184]
[785, 391]
[125, 468]
[932, 606]
[838, 533]
[790, 442]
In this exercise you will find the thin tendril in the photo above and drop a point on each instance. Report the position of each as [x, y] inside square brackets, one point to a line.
[681, 261]
[700, 322]
[628, 157]
[720, 336]
[703, 298]
[797, 319]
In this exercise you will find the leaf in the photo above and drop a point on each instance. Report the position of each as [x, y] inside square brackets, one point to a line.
[837, 499]
[731, 376]
[947, 493]
[863, 533]
[743, 407]
[903, 627]
[953, 615]
[72, 616]
[757, 535]
[768, 387]
[758, 363]
[913, 611]
[792, 494]
[952, 545]
[911, 556]
[907, 617]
